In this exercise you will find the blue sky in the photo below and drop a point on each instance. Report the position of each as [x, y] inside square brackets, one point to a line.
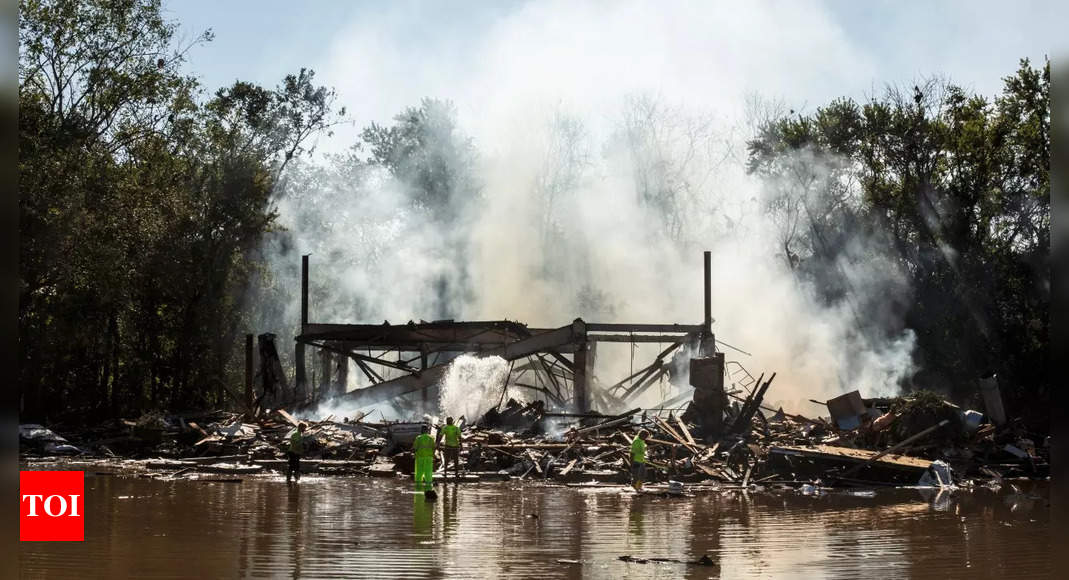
[486, 56]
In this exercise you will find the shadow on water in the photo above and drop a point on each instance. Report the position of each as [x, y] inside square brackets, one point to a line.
[359, 527]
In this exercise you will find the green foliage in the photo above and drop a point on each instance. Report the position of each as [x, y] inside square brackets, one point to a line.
[955, 189]
[424, 150]
[921, 410]
[139, 208]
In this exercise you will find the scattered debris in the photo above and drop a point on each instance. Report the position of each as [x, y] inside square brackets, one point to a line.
[847, 410]
[916, 440]
[45, 440]
[705, 560]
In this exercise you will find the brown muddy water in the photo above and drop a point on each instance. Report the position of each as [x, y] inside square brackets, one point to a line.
[337, 527]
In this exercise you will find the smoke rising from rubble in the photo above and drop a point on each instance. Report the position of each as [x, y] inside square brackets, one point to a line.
[598, 178]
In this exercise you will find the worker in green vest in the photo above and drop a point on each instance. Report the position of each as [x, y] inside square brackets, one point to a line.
[638, 459]
[424, 452]
[451, 447]
[294, 452]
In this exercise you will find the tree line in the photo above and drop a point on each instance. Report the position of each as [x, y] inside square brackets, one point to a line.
[140, 201]
[952, 191]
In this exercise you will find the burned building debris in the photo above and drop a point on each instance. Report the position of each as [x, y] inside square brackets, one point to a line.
[524, 441]
[574, 429]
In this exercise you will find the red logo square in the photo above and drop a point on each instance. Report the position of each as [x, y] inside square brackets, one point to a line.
[52, 506]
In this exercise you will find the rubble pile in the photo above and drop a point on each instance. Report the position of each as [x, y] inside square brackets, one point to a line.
[913, 440]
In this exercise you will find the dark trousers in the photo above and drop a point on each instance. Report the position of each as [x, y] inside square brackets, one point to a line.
[450, 454]
[294, 467]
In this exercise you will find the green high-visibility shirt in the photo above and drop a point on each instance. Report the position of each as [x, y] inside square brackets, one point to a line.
[297, 443]
[638, 450]
[451, 434]
[424, 445]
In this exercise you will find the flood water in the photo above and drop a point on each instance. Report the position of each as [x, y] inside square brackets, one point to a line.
[331, 527]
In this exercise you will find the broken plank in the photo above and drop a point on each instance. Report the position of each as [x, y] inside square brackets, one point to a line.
[711, 452]
[217, 459]
[181, 471]
[529, 446]
[289, 418]
[605, 425]
[569, 467]
[709, 471]
[838, 462]
[686, 432]
[576, 440]
[901, 444]
[679, 438]
[668, 429]
[538, 468]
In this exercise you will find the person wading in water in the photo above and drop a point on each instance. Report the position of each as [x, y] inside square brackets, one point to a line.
[451, 448]
[296, 449]
[424, 452]
[638, 459]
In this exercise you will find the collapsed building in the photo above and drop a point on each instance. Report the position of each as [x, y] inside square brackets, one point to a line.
[725, 434]
[403, 364]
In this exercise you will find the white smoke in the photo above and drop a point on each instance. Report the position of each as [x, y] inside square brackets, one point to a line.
[611, 151]
[341, 410]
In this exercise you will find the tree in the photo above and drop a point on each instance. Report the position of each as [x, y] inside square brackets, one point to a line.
[425, 151]
[955, 188]
[672, 157]
[139, 206]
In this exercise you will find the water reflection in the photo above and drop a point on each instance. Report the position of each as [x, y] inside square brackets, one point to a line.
[422, 512]
[358, 527]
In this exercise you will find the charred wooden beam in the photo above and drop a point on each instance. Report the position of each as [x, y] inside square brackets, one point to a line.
[581, 380]
[643, 370]
[370, 374]
[399, 365]
[750, 407]
[343, 375]
[626, 327]
[549, 394]
[301, 380]
[324, 388]
[549, 373]
[641, 387]
[648, 371]
[248, 374]
[564, 362]
[636, 338]
[707, 324]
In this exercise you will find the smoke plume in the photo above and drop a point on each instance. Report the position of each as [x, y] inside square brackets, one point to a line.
[584, 182]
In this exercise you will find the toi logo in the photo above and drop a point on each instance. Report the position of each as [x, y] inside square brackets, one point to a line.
[51, 506]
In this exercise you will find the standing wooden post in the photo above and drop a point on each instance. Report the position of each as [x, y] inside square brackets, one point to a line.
[708, 342]
[343, 375]
[248, 375]
[301, 381]
[325, 386]
[582, 366]
[708, 293]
